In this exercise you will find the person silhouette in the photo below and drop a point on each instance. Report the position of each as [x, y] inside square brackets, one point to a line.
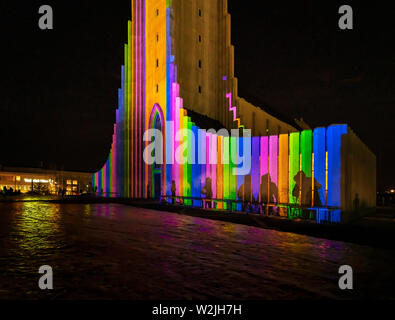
[245, 193]
[269, 190]
[207, 191]
[317, 198]
[148, 191]
[173, 192]
[356, 202]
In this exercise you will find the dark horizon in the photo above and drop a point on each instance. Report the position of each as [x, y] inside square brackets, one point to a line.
[59, 87]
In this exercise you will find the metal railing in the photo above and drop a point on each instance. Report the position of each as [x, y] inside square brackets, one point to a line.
[292, 211]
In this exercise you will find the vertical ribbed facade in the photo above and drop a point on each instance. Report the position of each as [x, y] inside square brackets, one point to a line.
[299, 168]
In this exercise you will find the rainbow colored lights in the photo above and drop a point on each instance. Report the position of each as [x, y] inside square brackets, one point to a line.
[297, 169]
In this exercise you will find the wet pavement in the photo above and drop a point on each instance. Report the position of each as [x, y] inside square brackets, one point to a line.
[112, 251]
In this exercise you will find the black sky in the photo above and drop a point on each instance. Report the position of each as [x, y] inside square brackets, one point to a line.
[58, 88]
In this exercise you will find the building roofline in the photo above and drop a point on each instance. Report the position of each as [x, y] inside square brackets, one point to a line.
[39, 170]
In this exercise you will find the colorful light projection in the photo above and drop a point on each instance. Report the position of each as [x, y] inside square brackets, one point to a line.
[306, 157]
[285, 169]
[333, 141]
[294, 166]
[319, 165]
[233, 110]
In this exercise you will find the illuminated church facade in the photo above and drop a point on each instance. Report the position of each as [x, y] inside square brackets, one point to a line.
[178, 79]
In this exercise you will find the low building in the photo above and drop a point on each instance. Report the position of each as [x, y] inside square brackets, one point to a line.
[44, 181]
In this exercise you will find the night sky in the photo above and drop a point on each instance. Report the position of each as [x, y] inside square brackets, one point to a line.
[58, 88]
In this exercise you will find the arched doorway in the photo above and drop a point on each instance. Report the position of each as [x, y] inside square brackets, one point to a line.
[156, 122]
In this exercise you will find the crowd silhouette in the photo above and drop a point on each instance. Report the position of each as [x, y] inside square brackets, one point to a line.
[305, 192]
[10, 192]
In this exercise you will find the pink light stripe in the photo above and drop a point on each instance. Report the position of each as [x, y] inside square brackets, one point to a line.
[174, 108]
[273, 158]
[114, 162]
[213, 155]
[105, 179]
[97, 180]
[208, 151]
[143, 126]
[140, 115]
[203, 139]
[176, 145]
[134, 109]
[264, 156]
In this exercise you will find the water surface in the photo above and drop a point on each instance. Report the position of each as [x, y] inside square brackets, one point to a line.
[111, 251]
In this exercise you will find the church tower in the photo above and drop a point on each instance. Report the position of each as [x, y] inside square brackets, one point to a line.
[178, 70]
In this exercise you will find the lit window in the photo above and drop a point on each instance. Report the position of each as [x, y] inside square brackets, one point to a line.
[68, 181]
[75, 182]
[18, 178]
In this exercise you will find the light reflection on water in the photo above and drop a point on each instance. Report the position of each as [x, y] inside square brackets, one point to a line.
[113, 251]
